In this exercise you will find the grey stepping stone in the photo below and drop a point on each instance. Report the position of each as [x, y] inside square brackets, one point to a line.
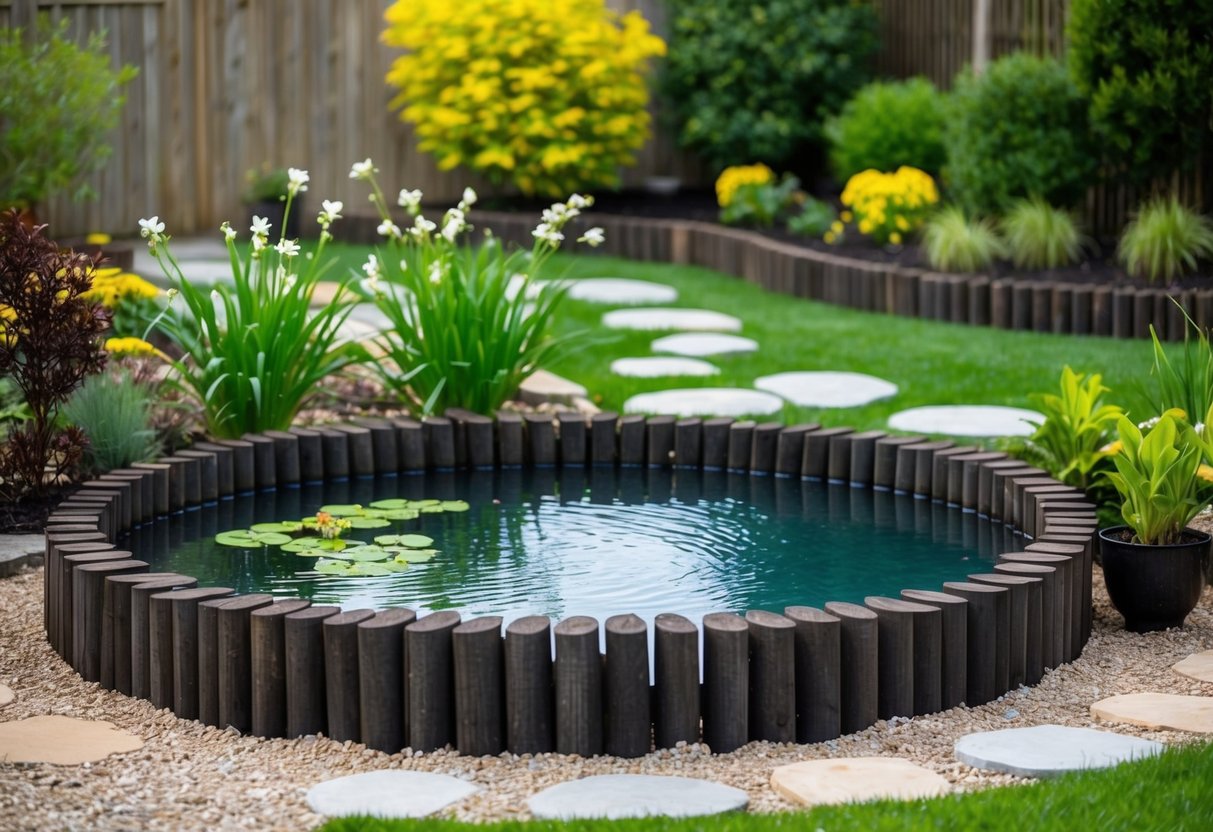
[702, 344]
[657, 367]
[1050, 750]
[966, 420]
[62, 740]
[621, 291]
[19, 550]
[827, 388]
[614, 796]
[388, 794]
[701, 320]
[856, 779]
[705, 401]
[1158, 710]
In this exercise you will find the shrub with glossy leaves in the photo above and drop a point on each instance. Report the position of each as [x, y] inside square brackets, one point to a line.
[886, 125]
[1165, 240]
[548, 95]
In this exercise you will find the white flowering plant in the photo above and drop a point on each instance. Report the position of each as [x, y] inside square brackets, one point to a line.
[255, 349]
[469, 323]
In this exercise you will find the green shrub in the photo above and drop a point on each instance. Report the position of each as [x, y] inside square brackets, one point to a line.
[754, 81]
[887, 125]
[1146, 67]
[1039, 236]
[115, 413]
[1018, 129]
[954, 243]
[1079, 423]
[1165, 240]
[814, 220]
[760, 204]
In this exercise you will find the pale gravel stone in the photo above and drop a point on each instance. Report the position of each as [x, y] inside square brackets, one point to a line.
[193, 777]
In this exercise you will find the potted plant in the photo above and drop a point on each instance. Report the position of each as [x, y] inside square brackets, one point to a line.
[1154, 565]
[265, 196]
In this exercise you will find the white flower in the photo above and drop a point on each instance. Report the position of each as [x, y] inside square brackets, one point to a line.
[469, 198]
[436, 272]
[330, 211]
[594, 237]
[371, 266]
[259, 242]
[409, 200]
[548, 233]
[579, 202]
[260, 226]
[422, 227]
[152, 230]
[229, 233]
[557, 215]
[296, 180]
[362, 170]
[387, 228]
[1148, 423]
[287, 248]
[452, 224]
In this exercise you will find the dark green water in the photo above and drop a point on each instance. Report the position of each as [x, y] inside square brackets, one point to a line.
[602, 542]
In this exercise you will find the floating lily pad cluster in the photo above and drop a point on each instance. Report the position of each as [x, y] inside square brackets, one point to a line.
[388, 553]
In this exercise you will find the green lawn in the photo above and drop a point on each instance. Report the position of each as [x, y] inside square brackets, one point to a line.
[1169, 793]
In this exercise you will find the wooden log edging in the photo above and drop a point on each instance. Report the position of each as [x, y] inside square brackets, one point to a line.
[393, 679]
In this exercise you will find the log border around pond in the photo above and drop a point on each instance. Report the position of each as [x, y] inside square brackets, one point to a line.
[802, 674]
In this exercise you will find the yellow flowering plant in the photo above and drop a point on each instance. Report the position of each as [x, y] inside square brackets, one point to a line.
[733, 178]
[750, 195]
[549, 95]
[131, 299]
[889, 207]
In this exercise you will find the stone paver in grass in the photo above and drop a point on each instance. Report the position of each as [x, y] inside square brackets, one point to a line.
[966, 420]
[542, 386]
[62, 740]
[705, 401]
[654, 318]
[703, 344]
[1050, 750]
[1197, 666]
[827, 388]
[659, 367]
[6, 695]
[388, 794]
[616, 796]
[621, 291]
[856, 779]
[1158, 710]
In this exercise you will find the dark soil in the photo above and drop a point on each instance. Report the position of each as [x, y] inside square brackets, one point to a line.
[28, 515]
[1125, 535]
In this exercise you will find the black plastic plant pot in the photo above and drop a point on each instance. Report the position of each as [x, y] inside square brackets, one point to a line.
[1153, 587]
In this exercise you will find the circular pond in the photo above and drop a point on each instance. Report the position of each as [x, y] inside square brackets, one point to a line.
[595, 541]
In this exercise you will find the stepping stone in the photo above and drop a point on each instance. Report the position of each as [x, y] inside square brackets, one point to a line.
[62, 740]
[1050, 750]
[705, 401]
[656, 367]
[1158, 710]
[18, 550]
[1197, 666]
[6, 695]
[827, 389]
[966, 420]
[856, 779]
[533, 287]
[703, 320]
[621, 291]
[614, 796]
[702, 344]
[542, 386]
[388, 794]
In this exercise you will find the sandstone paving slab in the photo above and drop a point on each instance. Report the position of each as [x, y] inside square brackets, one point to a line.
[1050, 750]
[542, 386]
[6, 695]
[1198, 666]
[705, 401]
[661, 367]
[655, 318]
[616, 796]
[812, 388]
[855, 780]
[388, 794]
[1158, 710]
[704, 344]
[62, 740]
[621, 291]
[966, 420]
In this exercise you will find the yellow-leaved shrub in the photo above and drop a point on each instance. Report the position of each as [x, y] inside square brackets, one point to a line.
[547, 94]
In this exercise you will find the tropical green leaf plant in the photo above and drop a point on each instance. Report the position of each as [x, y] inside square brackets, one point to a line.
[1079, 424]
[255, 351]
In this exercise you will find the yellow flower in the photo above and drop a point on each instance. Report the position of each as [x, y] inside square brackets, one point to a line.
[1112, 448]
[733, 178]
[836, 227]
[98, 238]
[1205, 472]
[895, 238]
[129, 346]
[846, 216]
[830, 237]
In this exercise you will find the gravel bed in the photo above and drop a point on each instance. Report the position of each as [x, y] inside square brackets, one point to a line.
[188, 776]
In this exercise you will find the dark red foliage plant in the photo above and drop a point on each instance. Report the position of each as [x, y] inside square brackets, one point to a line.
[50, 340]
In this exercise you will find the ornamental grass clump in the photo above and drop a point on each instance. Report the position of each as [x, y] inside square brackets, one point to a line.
[1165, 240]
[888, 207]
[547, 95]
[954, 243]
[256, 350]
[1039, 236]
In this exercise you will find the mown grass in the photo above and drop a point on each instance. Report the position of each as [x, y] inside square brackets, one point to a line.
[1169, 793]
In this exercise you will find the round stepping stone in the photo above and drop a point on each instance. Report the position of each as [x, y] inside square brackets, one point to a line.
[388, 794]
[542, 386]
[966, 420]
[657, 367]
[614, 796]
[1197, 666]
[1158, 710]
[1050, 750]
[62, 740]
[6, 695]
[856, 779]
[621, 291]
[705, 401]
[702, 320]
[703, 344]
[827, 389]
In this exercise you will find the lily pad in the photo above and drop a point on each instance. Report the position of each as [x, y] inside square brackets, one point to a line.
[414, 555]
[455, 505]
[246, 539]
[409, 541]
[369, 570]
[422, 503]
[302, 545]
[431, 509]
[364, 554]
[368, 523]
[395, 565]
[333, 567]
[285, 527]
[401, 514]
[390, 505]
[342, 510]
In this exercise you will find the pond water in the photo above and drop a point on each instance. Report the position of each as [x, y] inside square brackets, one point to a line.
[600, 541]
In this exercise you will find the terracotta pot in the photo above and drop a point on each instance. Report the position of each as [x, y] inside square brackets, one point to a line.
[1153, 587]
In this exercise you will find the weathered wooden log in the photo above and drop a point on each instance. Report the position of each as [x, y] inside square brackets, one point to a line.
[860, 664]
[1026, 610]
[431, 674]
[479, 686]
[141, 649]
[88, 588]
[884, 467]
[383, 444]
[236, 660]
[818, 674]
[67, 596]
[603, 427]
[764, 446]
[530, 708]
[361, 449]
[58, 546]
[306, 700]
[382, 685]
[988, 639]
[659, 441]
[335, 446]
[789, 450]
[900, 692]
[541, 439]
[688, 443]
[341, 674]
[116, 628]
[772, 694]
[861, 467]
[628, 723]
[267, 631]
[726, 688]
[173, 643]
[578, 675]
[716, 443]
[741, 443]
[1074, 584]
[815, 458]
[574, 440]
[954, 644]
[410, 443]
[311, 455]
[225, 474]
[676, 667]
[265, 471]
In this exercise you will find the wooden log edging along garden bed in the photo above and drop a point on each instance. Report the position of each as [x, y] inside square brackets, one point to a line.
[392, 679]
